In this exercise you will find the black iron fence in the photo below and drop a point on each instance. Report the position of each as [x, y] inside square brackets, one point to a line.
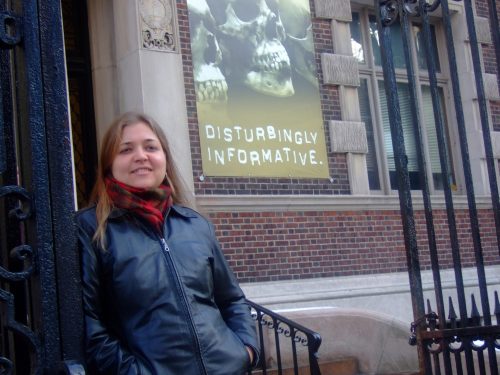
[285, 338]
[446, 342]
[459, 340]
[40, 300]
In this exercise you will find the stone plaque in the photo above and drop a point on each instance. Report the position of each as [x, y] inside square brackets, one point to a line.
[157, 22]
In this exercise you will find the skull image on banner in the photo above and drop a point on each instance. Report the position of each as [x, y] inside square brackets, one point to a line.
[256, 88]
[210, 83]
[252, 36]
[299, 42]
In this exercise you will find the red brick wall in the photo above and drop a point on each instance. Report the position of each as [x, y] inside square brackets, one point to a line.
[495, 115]
[331, 111]
[482, 7]
[489, 58]
[293, 245]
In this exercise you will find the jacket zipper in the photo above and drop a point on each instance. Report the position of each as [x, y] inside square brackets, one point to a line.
[171, 264]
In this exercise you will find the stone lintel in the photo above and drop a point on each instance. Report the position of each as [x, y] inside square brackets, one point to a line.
[339, 69]
[348, 136]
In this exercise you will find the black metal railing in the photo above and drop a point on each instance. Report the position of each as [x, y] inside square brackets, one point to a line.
[442, 340]
[288, 337]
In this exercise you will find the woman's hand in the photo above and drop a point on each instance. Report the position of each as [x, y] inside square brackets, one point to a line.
[250, 353]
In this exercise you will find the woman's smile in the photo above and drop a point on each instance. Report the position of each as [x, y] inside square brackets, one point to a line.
[142, 170]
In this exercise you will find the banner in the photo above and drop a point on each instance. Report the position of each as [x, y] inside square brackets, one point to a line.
[257, 95]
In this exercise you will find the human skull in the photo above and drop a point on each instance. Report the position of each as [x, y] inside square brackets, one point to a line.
[296, 18]
[251, 36]
[211, 85]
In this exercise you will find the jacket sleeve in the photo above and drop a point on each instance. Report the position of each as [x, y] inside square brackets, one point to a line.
[105, 354]
[232, 302]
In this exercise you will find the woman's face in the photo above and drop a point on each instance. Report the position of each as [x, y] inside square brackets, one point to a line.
[140, 161]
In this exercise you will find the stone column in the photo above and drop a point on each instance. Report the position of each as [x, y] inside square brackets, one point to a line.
[341, 69]
[102, 51]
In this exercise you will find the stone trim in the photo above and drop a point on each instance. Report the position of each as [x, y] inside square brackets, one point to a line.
[277, 203]
[356, 291]
[342, 69]
[491, 86]
[483, 30]
[495, 142]
[339, 70]
[348, 136]
[339, 10]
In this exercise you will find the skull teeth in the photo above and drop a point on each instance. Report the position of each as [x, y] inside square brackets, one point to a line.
[211, 91]
[272, 62]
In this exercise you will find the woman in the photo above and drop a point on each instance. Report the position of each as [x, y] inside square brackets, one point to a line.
[159, 297]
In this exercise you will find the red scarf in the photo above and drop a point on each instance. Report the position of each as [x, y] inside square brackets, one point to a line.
[149, 204]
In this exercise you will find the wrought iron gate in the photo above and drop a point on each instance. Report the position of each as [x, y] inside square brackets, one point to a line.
[467, 343]
[40, 301]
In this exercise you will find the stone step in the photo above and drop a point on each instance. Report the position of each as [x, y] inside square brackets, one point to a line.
[342, 366]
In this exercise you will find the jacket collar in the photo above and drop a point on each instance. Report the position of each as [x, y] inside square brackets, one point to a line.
[181, 210]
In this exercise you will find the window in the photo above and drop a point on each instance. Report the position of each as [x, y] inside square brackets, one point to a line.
[372, 100]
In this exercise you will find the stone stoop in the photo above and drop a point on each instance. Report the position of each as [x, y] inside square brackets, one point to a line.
[342, 366]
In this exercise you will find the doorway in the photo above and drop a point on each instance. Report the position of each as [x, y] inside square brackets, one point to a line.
[80, 92]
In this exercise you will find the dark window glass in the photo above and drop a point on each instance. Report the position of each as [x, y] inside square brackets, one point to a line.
[366, 117]
[419, 44]
[356, 39]
[396, 43]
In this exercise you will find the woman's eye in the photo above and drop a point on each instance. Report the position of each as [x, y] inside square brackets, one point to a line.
[152, 148]
[125, 150]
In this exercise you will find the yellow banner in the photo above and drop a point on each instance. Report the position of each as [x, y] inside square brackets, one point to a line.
[257, 96]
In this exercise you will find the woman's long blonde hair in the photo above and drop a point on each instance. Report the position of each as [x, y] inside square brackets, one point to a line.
[109, 148]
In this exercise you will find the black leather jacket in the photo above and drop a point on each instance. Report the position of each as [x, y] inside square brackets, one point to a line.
[165, 306]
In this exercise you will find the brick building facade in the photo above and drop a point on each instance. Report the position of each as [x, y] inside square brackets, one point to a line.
[311, 242]
[277, 232]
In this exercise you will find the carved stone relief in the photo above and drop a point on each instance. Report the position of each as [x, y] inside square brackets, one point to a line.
[158, 25]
